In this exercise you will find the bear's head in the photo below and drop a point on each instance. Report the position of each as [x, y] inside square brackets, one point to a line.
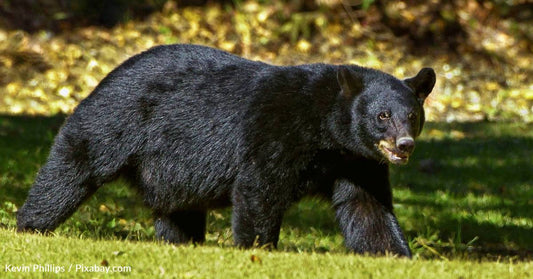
[379, 116]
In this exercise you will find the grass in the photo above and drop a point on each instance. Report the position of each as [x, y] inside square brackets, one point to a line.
[155, 260]
[465, 204]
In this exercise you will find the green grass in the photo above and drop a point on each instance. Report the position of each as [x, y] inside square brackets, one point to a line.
[465, 203]
[155, 260]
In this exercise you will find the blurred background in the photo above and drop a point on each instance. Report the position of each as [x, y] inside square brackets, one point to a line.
[54, 52]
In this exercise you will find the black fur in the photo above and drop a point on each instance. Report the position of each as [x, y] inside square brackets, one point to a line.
[195, 128]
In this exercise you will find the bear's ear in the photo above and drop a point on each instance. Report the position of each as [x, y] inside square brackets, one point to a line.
[350, 84]
[422, 83]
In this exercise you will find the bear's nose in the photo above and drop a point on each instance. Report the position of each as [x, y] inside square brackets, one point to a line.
[405, 144]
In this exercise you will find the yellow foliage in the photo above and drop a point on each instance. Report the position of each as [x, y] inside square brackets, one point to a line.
[303, 46]
[45, 73]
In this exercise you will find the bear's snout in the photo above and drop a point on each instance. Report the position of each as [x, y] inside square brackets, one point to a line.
[397, 151]
[405, 144]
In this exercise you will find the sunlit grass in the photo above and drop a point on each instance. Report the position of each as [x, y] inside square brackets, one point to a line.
[157, 260]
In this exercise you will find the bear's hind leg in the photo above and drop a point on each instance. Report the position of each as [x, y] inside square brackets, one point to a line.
[181, 227]
[62, 184]
[71, 175]
[52, 199]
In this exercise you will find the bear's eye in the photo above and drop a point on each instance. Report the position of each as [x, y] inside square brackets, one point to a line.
[411, 115]
[384, 115]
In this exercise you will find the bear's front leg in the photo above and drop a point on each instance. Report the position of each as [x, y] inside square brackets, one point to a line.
[256, 218]
[366, 219]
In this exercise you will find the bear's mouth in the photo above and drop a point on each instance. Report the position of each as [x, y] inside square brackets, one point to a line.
[392, 154]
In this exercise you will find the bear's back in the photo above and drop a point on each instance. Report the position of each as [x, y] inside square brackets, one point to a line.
[173, 110]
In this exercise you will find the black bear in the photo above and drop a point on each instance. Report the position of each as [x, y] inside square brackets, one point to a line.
[195, 128]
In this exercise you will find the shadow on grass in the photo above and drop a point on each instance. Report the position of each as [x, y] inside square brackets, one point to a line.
[24, 143]
[465, 182]
[471, 181]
